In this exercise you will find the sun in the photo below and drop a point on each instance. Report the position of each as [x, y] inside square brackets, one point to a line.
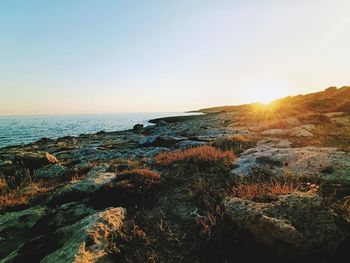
[266, 100]
[265, 94]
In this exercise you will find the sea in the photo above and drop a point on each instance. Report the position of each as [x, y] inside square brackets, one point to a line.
[17, 130]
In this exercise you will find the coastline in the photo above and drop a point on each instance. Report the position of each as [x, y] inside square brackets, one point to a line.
[178, 184]
[21, 130]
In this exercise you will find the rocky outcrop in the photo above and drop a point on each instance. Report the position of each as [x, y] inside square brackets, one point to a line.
[327, 164]
[293, 225]
[90, 239]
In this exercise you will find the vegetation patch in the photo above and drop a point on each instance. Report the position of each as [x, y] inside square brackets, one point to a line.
[200, 157]
[258, 190]
[315, 118]
[19, 198]
[235, 143]
[129, 188]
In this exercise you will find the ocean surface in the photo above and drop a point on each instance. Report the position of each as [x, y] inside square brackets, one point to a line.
[15, 130]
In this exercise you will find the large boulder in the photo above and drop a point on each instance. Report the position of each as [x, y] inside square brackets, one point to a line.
[90, 239]
[294, 225]
[137, 128]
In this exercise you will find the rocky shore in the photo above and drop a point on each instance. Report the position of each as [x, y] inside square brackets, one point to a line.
[235, 184]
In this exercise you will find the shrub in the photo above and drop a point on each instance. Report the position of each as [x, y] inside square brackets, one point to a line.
[136, 181]
[129, 188]
[235, 143]
[202, 156]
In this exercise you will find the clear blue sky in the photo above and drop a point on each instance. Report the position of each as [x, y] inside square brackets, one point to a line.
[122, 56]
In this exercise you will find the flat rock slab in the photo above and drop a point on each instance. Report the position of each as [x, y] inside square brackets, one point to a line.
[326, 163]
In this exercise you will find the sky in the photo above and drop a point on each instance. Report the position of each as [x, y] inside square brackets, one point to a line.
[84, 56]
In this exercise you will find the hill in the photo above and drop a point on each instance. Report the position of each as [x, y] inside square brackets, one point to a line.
[330, 100]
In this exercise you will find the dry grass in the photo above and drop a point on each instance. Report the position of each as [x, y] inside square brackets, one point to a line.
[20, 186]
[253, 190]
[234, 143]
[261, 185]
[202, 156]
[3, 185]
[14, 198]
[139, 173]
[17, 178]
[137, 182]
[315, 118]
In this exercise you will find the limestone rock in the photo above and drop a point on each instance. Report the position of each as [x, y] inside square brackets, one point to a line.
[102, 168]
[89, 239]
[300, 132]
[306, 162]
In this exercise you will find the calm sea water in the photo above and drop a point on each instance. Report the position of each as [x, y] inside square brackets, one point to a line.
[25, 129]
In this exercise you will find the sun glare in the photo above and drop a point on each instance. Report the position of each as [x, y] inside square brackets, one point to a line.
[265, 94]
